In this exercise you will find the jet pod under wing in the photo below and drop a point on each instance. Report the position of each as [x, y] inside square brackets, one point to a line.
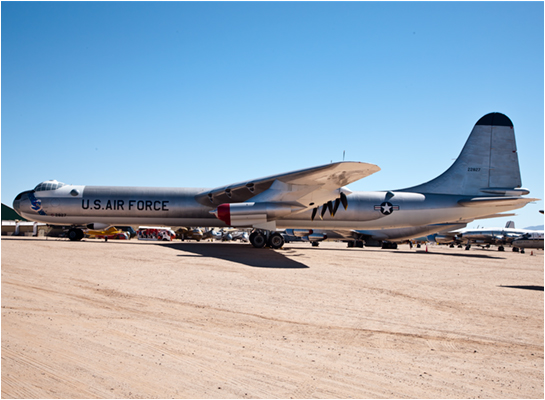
[312, 185]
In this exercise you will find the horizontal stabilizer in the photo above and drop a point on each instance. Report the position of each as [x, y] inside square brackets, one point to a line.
[496, 202]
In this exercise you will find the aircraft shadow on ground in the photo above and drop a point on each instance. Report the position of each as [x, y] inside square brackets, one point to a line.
[417, 252]
[241, 254]
[529, 287]
[465, 255]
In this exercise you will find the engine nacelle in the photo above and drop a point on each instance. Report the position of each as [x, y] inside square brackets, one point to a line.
[315, 237]
[248, 214]
[442, 239]
[299, 232]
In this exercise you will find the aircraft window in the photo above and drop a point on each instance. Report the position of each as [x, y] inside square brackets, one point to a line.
[49, 185]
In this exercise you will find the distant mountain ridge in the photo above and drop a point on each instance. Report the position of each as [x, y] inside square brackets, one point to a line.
[535, 228]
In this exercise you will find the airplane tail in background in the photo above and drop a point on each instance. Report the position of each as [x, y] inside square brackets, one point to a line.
[488, 163]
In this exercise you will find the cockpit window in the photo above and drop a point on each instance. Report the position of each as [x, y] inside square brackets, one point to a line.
[49, 185]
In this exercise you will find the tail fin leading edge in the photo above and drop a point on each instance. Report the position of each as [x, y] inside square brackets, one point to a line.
[488, 160]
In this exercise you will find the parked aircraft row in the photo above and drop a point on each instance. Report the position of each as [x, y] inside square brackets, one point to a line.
[493, 236]
[483, 182]
[484, 237]
[224, 234]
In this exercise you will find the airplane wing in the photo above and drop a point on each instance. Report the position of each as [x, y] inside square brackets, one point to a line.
[305, 188]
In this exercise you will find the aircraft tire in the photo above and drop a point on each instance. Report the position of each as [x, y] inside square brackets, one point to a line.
[258, 240]
[276, 240]
[75, 234]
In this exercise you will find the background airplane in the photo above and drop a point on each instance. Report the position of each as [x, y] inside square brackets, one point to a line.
[485, 236]
[108, 233]
[186, 233]
[529, 240]
[484, 180]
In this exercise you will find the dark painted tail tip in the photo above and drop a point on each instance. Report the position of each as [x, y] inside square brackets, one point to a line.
[495, 119]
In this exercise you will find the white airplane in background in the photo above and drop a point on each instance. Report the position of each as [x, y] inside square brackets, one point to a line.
[486, 236]
[483, 182]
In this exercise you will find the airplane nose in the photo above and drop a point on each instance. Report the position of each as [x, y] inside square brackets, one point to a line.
[20, 198]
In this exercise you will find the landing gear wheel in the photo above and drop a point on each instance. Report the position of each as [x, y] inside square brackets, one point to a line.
[258, 240]
[75, 234]
[276, 240]
[501, 248]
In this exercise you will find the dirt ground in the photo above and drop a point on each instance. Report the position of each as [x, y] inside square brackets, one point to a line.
[130, 319]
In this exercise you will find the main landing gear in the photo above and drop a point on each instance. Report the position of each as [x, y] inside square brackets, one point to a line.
[259, 239]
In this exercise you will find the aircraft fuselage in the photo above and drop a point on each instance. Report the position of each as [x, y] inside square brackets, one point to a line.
[83, 205]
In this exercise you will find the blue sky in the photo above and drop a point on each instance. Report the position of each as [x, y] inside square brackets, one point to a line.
[203, 94]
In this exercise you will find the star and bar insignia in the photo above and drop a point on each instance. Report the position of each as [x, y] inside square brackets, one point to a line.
[387, 208]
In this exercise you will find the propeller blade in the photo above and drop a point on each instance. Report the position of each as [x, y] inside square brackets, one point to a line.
[314, 213]
[344, 200]
[330, 207]
[336, 207]
[324, 209]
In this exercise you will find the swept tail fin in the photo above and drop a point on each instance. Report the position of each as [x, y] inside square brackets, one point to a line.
[488, 163]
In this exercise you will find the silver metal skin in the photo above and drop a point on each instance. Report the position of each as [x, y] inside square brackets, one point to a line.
[532, 240]
[482, 182]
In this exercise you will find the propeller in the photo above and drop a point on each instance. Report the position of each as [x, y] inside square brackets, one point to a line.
[331, 207]
[344, 200]
[324, 209]
[336, 206]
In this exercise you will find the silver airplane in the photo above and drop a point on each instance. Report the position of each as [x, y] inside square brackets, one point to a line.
[484, 180]
[483, 237]
[529, 240]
